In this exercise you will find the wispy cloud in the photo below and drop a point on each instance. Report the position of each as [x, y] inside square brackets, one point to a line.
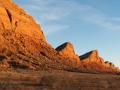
[98, 18]
[51, 13]
[49, 29]
[47, 13]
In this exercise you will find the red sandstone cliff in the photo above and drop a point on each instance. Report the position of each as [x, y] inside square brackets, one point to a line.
[23, 45]
[22, 42]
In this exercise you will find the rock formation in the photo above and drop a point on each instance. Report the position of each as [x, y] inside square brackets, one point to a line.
[23, 45]
[14, 18]
[67, 51]
[92, 56]
[92, 59]
[22, 42]
[87, 62]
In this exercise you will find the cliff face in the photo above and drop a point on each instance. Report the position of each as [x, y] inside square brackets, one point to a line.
[22, 42]
[23, 45]
[13, 17]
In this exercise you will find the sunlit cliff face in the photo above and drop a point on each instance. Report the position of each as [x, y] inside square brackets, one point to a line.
[23, 45]
[13, 17]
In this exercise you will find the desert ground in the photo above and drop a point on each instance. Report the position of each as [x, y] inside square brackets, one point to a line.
[57, 80]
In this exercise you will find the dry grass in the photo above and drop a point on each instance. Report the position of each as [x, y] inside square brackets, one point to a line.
[57, 80]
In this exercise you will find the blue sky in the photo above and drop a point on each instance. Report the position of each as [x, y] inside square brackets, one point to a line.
[87, 24]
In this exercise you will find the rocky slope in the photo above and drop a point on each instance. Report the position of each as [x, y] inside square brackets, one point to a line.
[22, 42]
[87, 62]
[23, 45]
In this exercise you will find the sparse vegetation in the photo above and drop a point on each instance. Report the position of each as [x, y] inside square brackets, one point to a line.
[57, 80]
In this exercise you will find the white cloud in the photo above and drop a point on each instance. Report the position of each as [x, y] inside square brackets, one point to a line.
[49, 29]
[92, 15]
[48, 12]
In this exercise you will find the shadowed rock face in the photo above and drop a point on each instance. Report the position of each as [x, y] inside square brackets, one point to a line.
[82, 57]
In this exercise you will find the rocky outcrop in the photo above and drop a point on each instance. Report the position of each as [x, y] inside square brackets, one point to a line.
[13, 17]
[67, 51]
[91, 59]
[23, 45]
[89, 62]
[22, 42]
[92, 56]
[109, 64]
